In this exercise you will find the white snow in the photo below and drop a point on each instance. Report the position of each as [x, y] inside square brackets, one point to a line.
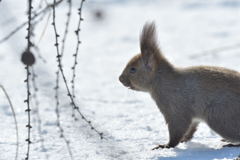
[130, 121]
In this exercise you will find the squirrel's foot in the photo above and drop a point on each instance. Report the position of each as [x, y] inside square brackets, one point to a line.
[231, 145]
[185, 139]
[161, 146]
[225, 140]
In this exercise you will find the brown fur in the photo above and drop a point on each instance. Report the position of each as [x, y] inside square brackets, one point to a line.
[185, 96]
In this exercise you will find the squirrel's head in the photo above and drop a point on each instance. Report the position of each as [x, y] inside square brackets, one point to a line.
[141, 70]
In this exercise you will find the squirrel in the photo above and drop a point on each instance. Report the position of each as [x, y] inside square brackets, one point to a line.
[185, 96]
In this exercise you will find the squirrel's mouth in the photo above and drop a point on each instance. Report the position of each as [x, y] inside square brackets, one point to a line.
[128, 84]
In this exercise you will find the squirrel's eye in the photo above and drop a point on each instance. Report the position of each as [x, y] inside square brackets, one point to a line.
[133, 70]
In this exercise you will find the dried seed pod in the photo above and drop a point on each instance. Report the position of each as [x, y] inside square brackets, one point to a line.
[28, 58]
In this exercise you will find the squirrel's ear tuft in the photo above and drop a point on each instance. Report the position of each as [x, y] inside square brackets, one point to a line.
[148, 42]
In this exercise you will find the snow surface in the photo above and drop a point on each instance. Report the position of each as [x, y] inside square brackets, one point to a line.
[130, 121]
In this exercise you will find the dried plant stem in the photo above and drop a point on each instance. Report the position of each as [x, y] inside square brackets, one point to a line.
[64, 78]
[43, 11]
[69, 13]
[39, 54]
[15, 120]
[39, 121]
[75, 55]
[28, 110]
[45, 28]
[57, 110]
[35, 47]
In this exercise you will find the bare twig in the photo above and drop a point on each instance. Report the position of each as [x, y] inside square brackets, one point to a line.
[28, 54]
[35, 47]
[28, 110]
[64, 78]
[57, 110]
[39, 54]
[43, 11]
[62, 135]
[15, 120]
[69, 13]
[75, 55]
[45, 28]
[39, 121]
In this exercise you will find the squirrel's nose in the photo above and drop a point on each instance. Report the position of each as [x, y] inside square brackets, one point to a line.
[121, 78]
[124, 80]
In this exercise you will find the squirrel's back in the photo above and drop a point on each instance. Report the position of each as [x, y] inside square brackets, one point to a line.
[217, 98]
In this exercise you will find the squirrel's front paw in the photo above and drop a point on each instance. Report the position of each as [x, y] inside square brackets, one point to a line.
[161, 146]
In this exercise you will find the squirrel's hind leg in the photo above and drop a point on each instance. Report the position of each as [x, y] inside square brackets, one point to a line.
[190, 132]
